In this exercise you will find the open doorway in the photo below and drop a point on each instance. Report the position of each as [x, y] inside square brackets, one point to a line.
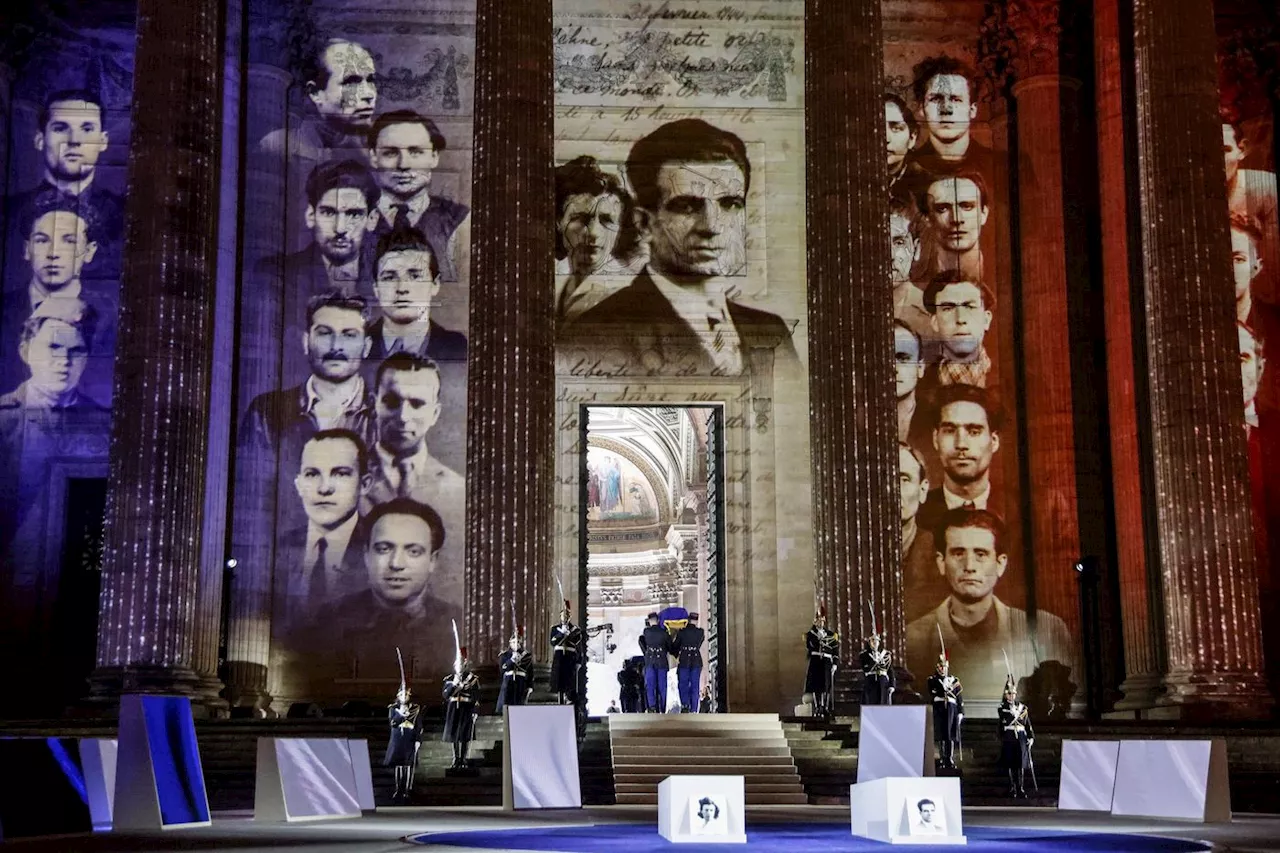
[651, 539]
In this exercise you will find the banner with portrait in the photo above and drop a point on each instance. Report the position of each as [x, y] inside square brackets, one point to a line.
[67, 109]
[350, 456]
[1249, 160]
[966, 572]
[680, 279]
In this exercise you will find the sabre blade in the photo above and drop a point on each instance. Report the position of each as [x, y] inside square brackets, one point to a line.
[400, 660]
[457, 647]
[941, 641]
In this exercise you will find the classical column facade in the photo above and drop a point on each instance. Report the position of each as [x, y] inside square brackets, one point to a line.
[1202, 514]
[1139, 614]
[150, 578]
[856, 514]
[511, 380]
[214, 552]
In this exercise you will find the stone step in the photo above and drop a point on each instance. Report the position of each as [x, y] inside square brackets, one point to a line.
[724, 745]
[704, 758]
[781, 787]
[752, 799]
[704, 720]
[753, 781]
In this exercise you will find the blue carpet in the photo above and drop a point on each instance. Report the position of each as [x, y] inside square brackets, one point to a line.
[789, 837]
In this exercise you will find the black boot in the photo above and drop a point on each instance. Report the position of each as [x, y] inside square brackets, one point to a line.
[1022, 792]
[462, 753]
[1013, 783]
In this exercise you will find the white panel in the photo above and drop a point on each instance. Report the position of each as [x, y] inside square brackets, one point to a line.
[98, 756]
[364, 773]
[1178, 779]
[1088, 774]
[684, 818]
[541, 752]
[895, 741]
[908, 810]
[315, 778]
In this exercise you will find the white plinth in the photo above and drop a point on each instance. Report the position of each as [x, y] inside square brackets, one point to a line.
[159, 780]
[895, 742]
[364, 773]
[1177, 779]
[913, 810]
[302, 779]
[703, 809]
[1088, 775]
[98, 757]
[540, 758]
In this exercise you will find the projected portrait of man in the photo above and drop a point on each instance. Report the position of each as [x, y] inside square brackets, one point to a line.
[977, 626]
[944, 90]
[402, 544]
[1251, 194]
[904, 247]
[961, 309]
[322, 561]
[1246, 263]
[958, 209]
[1252, 363]
[901, 132]
[691, 182]
[71, 138]
[921, 586]
[966, 437]
[404, 150]
[340, 83]
[406, 282]
[55, 348]
[58, 242]
[595, 236]
[332, 397]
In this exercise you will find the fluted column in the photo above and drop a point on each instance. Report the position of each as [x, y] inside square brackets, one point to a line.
[1115, 164]
[213, 555]
[159, 432]
[1059, 371]
[1201, 475]
[853, 429]
[511, 371]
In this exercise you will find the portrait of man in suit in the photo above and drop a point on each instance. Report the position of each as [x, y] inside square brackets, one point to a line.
[966, 436]
[404, 150]
[71, 137]
[691, 181]
[55, 348]
[402, 546]
[58, 241]
[406, 282]
[321, 561]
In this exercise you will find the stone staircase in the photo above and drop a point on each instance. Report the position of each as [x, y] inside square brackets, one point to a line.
[648, 748]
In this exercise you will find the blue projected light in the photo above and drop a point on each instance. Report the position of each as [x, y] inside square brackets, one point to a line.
[175, 757]
[70, 767]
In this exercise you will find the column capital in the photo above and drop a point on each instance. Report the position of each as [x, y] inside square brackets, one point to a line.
[1021, 40]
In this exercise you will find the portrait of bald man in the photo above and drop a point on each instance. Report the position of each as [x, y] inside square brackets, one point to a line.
[340, 84]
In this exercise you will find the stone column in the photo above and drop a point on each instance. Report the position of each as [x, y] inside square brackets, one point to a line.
[257, 353]
[1202, 519]
[214, 553]
[511, 381]
[1115, 169]
[853, 430]
[150, 577]
[1059, 364]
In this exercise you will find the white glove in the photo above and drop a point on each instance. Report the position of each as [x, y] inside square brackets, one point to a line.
[960, 718]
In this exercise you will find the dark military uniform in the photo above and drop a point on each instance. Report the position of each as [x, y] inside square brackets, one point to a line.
[948, 710]
[655, 643]
[460, 691]
[517, 670]
[687, 647]
[630, 683]
[566, 642]
[824, 655]
[1016, 739]
[406, 734]
[878, 680]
